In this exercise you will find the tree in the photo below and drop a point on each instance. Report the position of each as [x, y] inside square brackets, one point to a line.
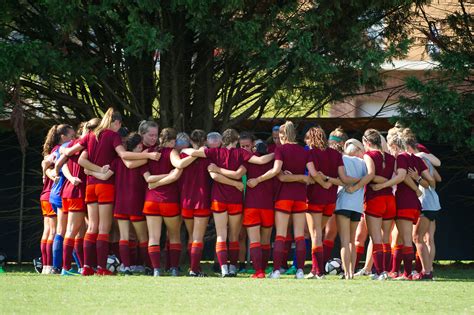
[443, 107]
[220, 62]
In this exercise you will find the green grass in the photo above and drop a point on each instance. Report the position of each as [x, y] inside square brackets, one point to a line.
[22, 291]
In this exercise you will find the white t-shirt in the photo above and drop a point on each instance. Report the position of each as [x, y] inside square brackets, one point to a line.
[355, 167]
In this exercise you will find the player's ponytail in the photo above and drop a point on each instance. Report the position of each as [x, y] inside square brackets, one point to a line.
[288, 132]
[316, 138]
[49, 141]
[109, 117]
[229, 136]
[167, 135]
[198, 137]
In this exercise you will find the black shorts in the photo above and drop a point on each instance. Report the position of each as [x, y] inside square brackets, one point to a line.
[430, 215]
[354, 216]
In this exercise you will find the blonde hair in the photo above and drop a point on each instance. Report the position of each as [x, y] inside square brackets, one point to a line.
[288, 131]
[229, 136]
[110, 116]
[352, 145]
[90, 125]
[409, 138]
[167, 135]
[397, 140]
[316, 138]
[339, 133]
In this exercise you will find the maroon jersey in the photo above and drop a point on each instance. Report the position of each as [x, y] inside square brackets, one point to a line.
[101, 151]
[167, 193]
[294, 158]
[48, 183]
[386, 172]
[405, 197]
[230, 159]
[328, 162]
[129, 189]
[195, 184]
[271, 148]
[69, 190]
[261, 196]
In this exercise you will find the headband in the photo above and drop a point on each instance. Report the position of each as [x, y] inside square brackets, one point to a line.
[335, 138]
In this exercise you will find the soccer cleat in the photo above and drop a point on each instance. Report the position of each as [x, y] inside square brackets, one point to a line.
[55, 271]
[383, 276]
[125, 271]
[423, 276]
[232, 271]
[291, 271]
[87, 271]
[393, 275]
[46, 270]
[174, 272]
[311, 275]
[258, 275]
[275, 274]
[362, 272]
[299, 274]
[197, 274]
[104, 272]
[225, 271]
[282, 270]
[404, 277]
[38, 265]
[137, 269]
[70, 272]
[156, 272]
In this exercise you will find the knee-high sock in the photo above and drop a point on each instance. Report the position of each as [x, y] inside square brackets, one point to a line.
[68, 247]
[58, 251]
[387, 257]
[234, 248]
[196, 254]
[174, 253]
[79, 250]
[221, 252]
[133, 248]
[44, 244]
[266, 248]
[408, 256]
[328, 245]
[154, 253]
[397, 258]
[124, 248]
[300, 251]
[102, 246]
[143, 257]
[90, 251]
[418, 265]
[278, 252]
[256, 256]
[49, 253]
[359, 253]
[287, 251]
[317, 260]
[377, 256]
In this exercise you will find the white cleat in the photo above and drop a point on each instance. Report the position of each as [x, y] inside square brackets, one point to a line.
[383, 276]
[299, 274]
[362, 272]
[275, 274]
[224, 271]
[232, 271]
[156, 272]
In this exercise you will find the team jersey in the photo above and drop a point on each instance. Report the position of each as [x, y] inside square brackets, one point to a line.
[355, 167]
[429, 200]
[129, 189]
[261, 196]
[386, 172]
[71, 191]
[48, 183]
[294, 158]
[230, 159]
[195, 185]
[405, 197]
[102, 151]
[326, 161]
[56, 189]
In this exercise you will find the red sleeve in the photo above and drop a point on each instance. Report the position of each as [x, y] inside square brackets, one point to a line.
[402, 162]
[145, 168]
[246, 155]
[114, 164]
[339, 161]
[84, 140]
[421, 166]
[422, 148]
[211, 154]
[116, 140]
[278, 153]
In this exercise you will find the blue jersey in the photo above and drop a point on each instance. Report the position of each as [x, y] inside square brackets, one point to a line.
[56, 190]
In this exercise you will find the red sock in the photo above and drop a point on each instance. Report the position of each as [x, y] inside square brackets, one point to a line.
[328, 245]
[418, 265]
[167, 255]
[115, 249]
[397, 258]
[90, 252]
[234, 248]
[49, 253]
[266, 248]
[256, 256]
[300, 245]
[154, 254]
[377, 256]
[102, 246]
[359, 253]
[124, 248]
[68, 247]
[221, 252]
[133, 249]
[174, 253]
[143, 257]
[278, 252]
[190, 245]
[287, 252]
[79, 248]
[196, 254]
[44, 243]
[317, 259]
[408, 259]
[387, 257]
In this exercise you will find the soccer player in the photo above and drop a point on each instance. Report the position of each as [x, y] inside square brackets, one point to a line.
[349, 206]
[274, 141]
[103, 145]
[148, 129]
[162, 200]
[407, 203]
[226, 196]
[291, 198]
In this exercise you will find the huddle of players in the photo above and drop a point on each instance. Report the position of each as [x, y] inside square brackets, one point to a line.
[144, 182]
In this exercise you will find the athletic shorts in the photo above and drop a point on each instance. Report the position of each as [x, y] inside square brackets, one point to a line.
[430, 215]
[163, 209]
[381, 207]
[290, 206]
[73, 205]
[100, 193]
[354, 216]
[231, 208]
[408, 214]
[129, 217]
[47, 209]
[256, 217]
[192, 213]
[327, 210]
[57, 206]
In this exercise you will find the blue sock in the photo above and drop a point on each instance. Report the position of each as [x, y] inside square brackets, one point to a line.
[76, 259]
[58, 251]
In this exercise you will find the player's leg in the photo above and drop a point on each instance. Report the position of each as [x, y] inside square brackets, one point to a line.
[173, 226]
[199, 230]
[281, 228]
[154, 223]
[344, 229]
[102, 245]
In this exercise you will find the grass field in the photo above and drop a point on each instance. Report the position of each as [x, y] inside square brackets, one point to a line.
[22, 291]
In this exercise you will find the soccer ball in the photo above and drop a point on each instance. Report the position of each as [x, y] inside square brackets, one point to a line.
[3, 259]
[113, 263]
[333, 266]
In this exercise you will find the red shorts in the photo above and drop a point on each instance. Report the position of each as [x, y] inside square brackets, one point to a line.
[73, 205]
[257, 216]
[100, 193]
[191, 213]
[47, 209]
[408, 214]
[291, 206]
[231, 208]
[129, 217]
[163, 209]
[327, 210]
[381, 207]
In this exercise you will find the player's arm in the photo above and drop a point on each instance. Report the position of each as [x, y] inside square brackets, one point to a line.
[437, 176]
[367, 178]
[99, 175]
[430, 157]
[88, 165]
[286, 177]
[127, 155]
[227, 181]
[379, 179]
[276, 169]
[346, 180]
[196, 153]
[170, 178]
[155, 178]
[264, 159]
[178, 162]
[130, 164]
[60, 162]
[237, 175]
[318, 177]
[397, 179]
[74, 149]
[72, 179]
